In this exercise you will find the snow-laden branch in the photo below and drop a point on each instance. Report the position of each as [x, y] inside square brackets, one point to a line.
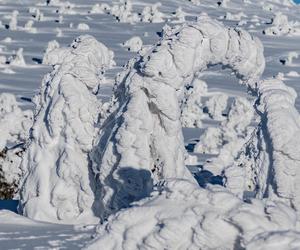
[142, 143]
[59, 185]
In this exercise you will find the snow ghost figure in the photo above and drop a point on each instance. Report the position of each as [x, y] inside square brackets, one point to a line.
[58, 186]
[144, 146]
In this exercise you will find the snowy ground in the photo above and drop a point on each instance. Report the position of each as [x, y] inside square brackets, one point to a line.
[17, 232]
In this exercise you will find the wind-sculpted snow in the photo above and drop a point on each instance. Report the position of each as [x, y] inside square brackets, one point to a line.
[268, 166]
[142, 143]
[180, 215]
[58, 185]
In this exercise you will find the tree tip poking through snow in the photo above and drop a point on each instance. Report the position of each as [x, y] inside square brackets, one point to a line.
[134, 44]
[58, 176]
[145, 145]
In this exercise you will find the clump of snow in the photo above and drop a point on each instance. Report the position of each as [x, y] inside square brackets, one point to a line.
[13, 24]
[216, 105]
[288, 59]
[36, 14]
[209, 142]
[281, 26]
[233, 133]
[99, 8]
[180, 215]
[7, 40]
[123, 12]
[179, 15]
[134, 44]
[191, 107]
[83, 26]
[49, 58]
[293, 74]
[145, 144]
[235, 17]
[58, 174]
[17, 59]
[151, 14]
[29, 27]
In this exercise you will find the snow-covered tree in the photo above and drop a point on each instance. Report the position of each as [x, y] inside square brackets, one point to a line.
[58, 185]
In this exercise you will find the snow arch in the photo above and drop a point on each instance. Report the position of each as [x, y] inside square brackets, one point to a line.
[142, 143]
[58, 186]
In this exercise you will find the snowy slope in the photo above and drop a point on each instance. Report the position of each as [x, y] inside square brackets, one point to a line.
[280, 38]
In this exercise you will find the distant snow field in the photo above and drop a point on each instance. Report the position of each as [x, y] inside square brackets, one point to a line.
[149, 125]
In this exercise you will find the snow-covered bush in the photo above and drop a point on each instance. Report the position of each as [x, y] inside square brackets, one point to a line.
[14, 131]
[142, 144]
[151, 14]
[216, 105]
[48, 58]
[281, 26]
[13, 24]
[83, 26]
[192, 107]
[58, 185]
[17, 58]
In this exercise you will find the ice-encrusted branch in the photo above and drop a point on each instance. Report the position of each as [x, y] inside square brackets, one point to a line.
[58, 185]
[142, 143]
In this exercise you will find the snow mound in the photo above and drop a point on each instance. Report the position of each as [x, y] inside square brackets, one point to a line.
[145, 144]
[58, 175]
[180, 215]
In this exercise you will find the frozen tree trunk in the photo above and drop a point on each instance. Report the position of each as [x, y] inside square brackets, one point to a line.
[142, 143]
[58, 186]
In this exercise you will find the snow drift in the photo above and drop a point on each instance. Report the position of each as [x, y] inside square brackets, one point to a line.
[58, 186]
[142, 143]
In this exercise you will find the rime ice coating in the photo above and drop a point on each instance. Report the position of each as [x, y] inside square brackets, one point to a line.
[58, 186]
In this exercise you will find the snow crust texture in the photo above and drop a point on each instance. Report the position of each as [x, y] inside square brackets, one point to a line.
[58, 178]
[145, 144]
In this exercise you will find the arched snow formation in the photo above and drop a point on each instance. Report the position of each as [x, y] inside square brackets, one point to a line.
[58, 186]
[142, 143]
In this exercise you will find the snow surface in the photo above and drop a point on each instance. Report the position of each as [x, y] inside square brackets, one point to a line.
[242, 150]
